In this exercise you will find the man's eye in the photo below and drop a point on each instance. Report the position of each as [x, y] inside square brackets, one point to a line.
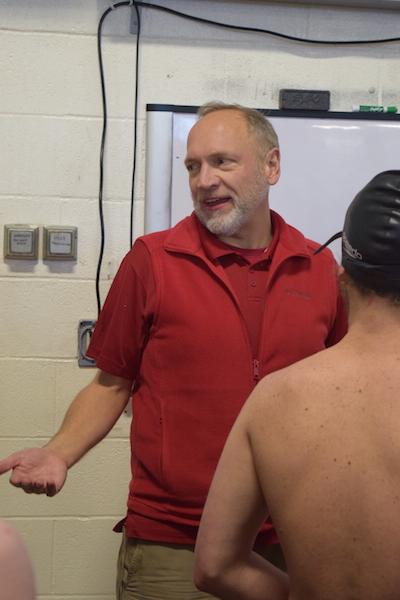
[190, 167]
[222, 161]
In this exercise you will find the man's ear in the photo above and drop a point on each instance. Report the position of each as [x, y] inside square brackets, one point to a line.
[344, 279]
[273, 165]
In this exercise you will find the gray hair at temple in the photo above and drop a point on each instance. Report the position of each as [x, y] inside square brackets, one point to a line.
[257, 124]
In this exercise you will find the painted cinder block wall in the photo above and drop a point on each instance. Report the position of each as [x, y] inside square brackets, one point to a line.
[50, 128]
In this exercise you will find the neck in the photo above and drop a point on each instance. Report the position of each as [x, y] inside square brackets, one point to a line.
[374, 320]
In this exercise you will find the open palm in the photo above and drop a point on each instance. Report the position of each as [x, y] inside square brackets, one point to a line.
[36, 470]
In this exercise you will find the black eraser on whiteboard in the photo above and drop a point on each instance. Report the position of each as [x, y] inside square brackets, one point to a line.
[304, 99]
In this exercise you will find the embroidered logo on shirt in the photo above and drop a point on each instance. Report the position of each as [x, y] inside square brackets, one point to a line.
[298, 293]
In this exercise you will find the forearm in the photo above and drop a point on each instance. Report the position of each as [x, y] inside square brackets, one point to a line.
[251, 579]
[90, 417]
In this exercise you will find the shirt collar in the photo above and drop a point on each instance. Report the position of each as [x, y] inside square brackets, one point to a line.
[216, 249]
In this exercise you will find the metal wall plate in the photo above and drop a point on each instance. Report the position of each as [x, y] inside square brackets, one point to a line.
[21, 242]
[60, 242]
[85, 329]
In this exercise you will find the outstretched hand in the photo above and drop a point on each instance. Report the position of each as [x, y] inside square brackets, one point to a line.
[36, 470]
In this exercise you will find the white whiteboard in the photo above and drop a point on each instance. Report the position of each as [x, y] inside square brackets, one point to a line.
[326, 160]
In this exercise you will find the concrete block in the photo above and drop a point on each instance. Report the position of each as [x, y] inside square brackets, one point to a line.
[50, 156]
[85, 555]
[38, 537]
[57, 306]
[203, 75]
[78, 17]
[138, 218]
[29, 398]
[25, 209]
[117, 227]
[51, 74]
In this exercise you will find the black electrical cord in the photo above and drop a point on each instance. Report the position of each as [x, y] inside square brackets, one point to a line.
[135, 123]
[101, 175]
[136, 4]
[103, 139]
[260, 30]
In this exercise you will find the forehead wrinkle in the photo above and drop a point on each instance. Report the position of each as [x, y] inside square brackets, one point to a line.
[224, 138]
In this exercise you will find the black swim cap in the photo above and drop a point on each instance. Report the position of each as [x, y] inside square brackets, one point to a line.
[371, 235]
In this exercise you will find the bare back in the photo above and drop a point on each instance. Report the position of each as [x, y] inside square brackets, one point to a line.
[327, 451]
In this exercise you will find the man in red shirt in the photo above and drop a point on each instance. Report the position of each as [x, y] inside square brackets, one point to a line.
[195, 316]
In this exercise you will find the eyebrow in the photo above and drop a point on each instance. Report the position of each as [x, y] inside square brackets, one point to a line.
[221, 154]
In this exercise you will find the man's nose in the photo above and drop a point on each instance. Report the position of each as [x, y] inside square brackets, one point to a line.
[207, 177]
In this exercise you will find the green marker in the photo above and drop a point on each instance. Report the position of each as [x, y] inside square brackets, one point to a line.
[375, 108]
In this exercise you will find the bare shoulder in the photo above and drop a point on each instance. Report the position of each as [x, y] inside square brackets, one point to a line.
[12, 548]
[282, 393]
[16, 574]
[11, 542]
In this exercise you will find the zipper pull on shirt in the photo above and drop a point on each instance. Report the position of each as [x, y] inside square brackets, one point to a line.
[256, 369]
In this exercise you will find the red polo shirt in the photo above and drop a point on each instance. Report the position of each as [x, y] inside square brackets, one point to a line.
[247, 270]
[174, 322]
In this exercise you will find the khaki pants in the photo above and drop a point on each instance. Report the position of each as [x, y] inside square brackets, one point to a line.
[152, 571]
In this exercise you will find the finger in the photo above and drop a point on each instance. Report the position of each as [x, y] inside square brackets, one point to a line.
[51, 490]
[38, 487]
[32, 488]
[9, 463]
[17, 480]
[26, 483]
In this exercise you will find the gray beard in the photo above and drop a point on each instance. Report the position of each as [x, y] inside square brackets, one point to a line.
[226, 225]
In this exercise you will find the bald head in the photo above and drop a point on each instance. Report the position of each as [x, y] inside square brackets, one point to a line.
[258, 126]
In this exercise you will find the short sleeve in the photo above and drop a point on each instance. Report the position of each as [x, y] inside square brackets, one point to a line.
[122, 329]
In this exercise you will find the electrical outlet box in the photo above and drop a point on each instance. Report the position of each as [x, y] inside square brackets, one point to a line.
[85, 329]
[21, 242]
[304, 99]
[60, 242]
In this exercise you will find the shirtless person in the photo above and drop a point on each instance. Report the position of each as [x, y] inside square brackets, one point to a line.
[16, 575]
[317, 445]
